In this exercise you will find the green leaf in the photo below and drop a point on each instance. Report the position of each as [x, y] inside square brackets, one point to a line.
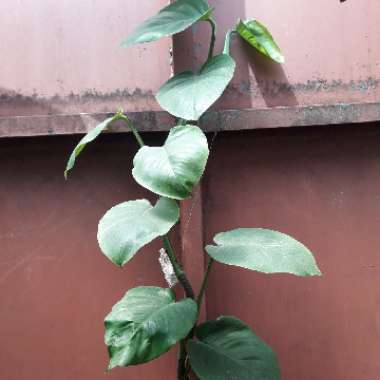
[264, 251]
[170, 20]
[145, 324]
[127, 227]
[258, 36]
[227, 349]
[188, 95]
[89, 137]
[173, 169]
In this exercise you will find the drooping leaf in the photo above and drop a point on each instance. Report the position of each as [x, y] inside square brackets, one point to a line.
[173, 169]
[258, 36]
[127, 227]
[188, 95]
[264, 251]
[145, 324]
[170, 20]
[227, 349]
[89, 137]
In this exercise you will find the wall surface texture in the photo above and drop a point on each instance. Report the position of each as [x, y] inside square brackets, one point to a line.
[65, 57]
[62, 67]
[321, 186]
[331, 53]
[56, 287]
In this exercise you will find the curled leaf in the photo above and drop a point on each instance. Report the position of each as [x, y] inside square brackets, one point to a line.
[258, 36]
[89, 137]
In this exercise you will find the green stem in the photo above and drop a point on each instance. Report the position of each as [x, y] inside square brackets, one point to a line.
[121, 116]
[180, 274]
[189, 292]
[181, 367]
[227, 42]
[213, 38]
[204, 284]
[199, 303]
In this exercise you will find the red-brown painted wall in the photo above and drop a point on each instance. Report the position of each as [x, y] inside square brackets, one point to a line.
[322, 186]
[319, 184]
[55, 285]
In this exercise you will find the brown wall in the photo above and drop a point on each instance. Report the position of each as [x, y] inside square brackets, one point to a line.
[330, 48]
[318, 184]
[64, 57]
[55, 285]
[322, 186]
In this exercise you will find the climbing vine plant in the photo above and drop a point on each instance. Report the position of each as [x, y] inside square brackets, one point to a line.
[148, 321]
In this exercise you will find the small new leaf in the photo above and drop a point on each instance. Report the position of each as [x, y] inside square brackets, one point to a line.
[170, 20]
[89, 137]
[175, 168]
[258, 36]
[188, 95]
[145, 324]
[264, 251]
[228, 349]
[127, 227]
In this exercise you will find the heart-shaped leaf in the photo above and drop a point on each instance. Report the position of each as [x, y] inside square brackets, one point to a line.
[89, 137]
[145, 324]
[258, 36]
[188, 95]
[173, 169]
[264, 251]
[170, 20]
[127, 227]
[228, 349]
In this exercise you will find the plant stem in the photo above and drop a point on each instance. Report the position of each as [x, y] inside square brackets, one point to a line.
[204, 284]
[189, 292]
[121, 116]
[181, 367]
[199, 303]
[227, 42]
[181, 276]
[213, 38]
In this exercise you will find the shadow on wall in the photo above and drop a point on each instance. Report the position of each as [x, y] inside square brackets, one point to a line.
[270, 78]
[258, 81]
[227, 13]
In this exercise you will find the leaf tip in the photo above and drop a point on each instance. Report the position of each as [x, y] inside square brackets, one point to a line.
[313, 272]
[110, 367]
[126, 43]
